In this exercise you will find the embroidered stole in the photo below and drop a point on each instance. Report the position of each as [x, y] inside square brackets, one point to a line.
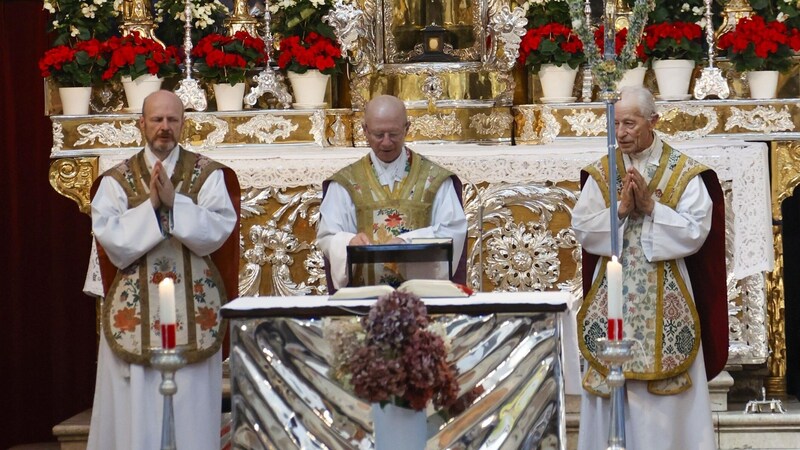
[383, 213]
[131, 308]
[658, 310]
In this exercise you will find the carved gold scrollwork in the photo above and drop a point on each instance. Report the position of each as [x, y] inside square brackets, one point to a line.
[72, 178]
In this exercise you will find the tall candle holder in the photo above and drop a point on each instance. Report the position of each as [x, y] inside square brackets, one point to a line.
[615, 354]
[269, 80]
[189, 90]
[167, 361]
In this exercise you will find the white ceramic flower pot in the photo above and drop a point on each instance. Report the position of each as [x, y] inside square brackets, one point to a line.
[229, 98]
[397, 427]
[136, 90]
[75, 100]
[763, 83]
[632, 77]
[557, 82]
[673, 77]
[308, 89]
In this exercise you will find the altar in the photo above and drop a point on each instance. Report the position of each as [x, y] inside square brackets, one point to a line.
[506, 347]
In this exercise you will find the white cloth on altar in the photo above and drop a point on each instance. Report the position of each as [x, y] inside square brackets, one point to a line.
[127, 403]
[653, 422]
[127, 411]
[337, 225]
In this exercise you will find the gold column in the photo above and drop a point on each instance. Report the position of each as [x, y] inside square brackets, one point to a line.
[136, 17]
[733, 12]
[241, 19]
[785, 177]
[623, 15]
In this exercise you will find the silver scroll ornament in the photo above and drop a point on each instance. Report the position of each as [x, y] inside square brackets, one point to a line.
[189, 90]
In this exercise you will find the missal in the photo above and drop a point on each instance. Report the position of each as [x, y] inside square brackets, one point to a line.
[420, 287]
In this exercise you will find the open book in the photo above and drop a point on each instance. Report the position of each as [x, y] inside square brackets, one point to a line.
[419, 287]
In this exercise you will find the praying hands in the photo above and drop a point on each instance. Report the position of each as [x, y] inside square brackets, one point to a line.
[636, 197]
[161, 189]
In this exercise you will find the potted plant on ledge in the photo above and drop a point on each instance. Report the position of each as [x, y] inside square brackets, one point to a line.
[75, 69]
[308, 50]
[225, 62]
[762, 50]
[555, 52]
[674, 48]
[141, 64]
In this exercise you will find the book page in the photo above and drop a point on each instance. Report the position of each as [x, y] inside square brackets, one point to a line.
[362, 292]
[434, 288]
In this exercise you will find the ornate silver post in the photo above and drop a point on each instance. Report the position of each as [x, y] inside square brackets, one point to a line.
[609, 96]
[615, 354]
[588, 81]
[711, 81]
[189, 90]
[167, 361]
[269, 80]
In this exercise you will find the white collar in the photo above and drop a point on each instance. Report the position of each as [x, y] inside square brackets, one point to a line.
[390, 173]
[169, 162]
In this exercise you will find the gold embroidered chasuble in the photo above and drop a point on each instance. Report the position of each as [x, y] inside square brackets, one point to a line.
[384, 213]
[130, 312]
[659, 312]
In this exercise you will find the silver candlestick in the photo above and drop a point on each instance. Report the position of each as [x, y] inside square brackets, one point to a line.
[711, 81]
[189, 90]
[615, 354]
[167, 361]
[269, 80]
[588, 81]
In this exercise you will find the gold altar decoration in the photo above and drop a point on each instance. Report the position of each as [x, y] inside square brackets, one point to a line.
[241, 19]
[136, 16]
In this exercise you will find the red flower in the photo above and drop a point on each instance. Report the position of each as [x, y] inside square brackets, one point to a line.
[226, 59]
[756, 44]
[620, 38]
[126, 319]
[312, 52]
[135, 56]
[553, 43]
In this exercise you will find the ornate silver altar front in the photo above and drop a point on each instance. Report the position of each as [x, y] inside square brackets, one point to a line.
[283, 397]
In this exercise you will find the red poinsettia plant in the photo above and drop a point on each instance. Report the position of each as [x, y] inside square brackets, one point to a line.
[620, 38]
[78, 65]
[756, 44]
[674, 40]
[227, 59]
[134, 56]
[553, 43]
[394, 356]
[311, 51]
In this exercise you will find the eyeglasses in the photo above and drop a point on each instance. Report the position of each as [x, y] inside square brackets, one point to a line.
[394, 136]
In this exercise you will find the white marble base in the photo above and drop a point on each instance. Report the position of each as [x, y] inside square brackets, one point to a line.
[718, 390]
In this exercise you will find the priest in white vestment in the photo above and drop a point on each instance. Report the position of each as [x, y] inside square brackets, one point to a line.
[160, 214]
[665, 210]
[390, 196]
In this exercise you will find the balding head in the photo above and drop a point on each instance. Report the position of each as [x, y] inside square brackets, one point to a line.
[385, 126]
[162, 122]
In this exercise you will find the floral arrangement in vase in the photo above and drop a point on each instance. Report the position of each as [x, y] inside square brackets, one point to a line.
[207, 18]
[81, 20]
[78, 65]
[305, 41]
[756, 44]
[394, 355]
[674, 40]
[133, 56]
[542, 12]
[552, 43]
[227, 59]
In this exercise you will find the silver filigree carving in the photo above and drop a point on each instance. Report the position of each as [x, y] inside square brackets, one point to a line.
[58, 137]
[710, 114]
[109, 134]
[587, 123]
[339, 129]
[764, 119]
[267, 128]
[351, 28]
[551, 126]
[189, 90]
[522, 256]
[435, 125]
[432, 87]
[269, 80]
[528, 132]
[318, 127]
[711, 81]
[273, 243]
[507, 28]
[492, 124]
[215, 137]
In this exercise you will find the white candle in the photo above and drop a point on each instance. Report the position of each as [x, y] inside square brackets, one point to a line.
[166, 301]
[614, 278]
[166, 305]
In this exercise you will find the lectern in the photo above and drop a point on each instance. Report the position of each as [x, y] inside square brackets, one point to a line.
[505, 344]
